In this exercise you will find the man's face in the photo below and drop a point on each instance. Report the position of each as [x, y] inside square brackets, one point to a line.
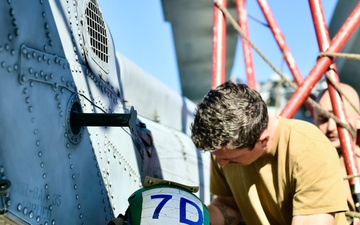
[243, 156]
[328, 125]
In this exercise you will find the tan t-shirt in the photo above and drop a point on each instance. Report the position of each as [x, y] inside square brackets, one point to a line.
[301, 175]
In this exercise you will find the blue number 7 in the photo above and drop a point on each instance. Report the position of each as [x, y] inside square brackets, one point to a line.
[165, 198]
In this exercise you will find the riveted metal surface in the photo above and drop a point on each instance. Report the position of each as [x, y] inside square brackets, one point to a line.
[50, 175]
[60, 174]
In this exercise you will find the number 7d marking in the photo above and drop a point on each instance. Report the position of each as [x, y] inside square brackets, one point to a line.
[165, 198]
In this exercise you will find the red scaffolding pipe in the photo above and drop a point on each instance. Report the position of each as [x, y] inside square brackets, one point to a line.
[347, 144]
[280, 40]
[249, 65]
[219, 46]
[338, 42]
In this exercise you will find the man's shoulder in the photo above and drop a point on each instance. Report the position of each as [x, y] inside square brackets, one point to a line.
[301, 126]
[297, 121]
[303, 134]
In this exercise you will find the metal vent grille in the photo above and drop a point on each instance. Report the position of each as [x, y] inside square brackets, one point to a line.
[97, 31]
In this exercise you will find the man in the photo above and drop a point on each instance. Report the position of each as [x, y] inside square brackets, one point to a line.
[329, 128]
[266, 169]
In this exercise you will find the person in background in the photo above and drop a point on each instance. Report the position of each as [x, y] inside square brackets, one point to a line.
[266, 169]
[329, 128]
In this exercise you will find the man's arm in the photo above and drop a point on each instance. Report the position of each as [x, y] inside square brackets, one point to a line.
[325, 218]
[224, 211]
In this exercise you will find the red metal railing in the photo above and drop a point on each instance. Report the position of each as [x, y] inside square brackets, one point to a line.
[347, 144]
[322, 65]
[280, 40]
[219, 46]
[249, 65]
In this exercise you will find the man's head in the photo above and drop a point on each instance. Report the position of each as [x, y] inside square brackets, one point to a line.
[230, 116]
[328, 125]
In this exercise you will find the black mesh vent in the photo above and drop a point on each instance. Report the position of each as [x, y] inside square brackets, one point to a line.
[97, 31]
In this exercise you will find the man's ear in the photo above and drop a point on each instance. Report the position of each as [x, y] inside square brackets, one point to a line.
[264, 137]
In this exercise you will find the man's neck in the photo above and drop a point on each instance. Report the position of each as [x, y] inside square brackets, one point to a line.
[271, 128]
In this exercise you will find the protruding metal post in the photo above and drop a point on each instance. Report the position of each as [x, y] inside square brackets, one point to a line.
[104, 120]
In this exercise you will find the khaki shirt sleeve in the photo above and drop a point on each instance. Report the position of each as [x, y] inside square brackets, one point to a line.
[218, 184]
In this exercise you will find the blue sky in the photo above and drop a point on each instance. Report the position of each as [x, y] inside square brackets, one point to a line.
[141, 34]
